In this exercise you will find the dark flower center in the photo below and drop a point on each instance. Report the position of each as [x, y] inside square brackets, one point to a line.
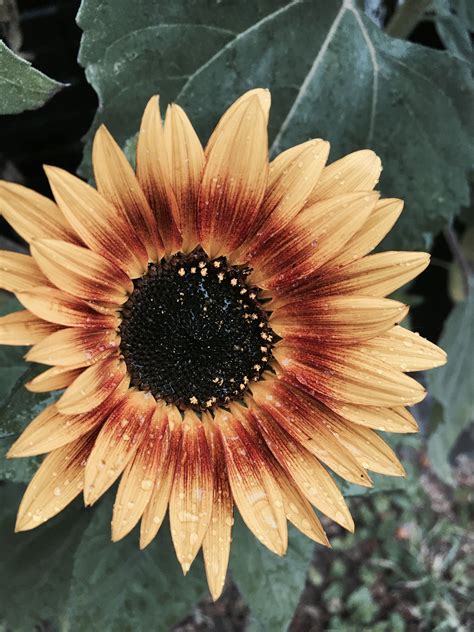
[193, 333]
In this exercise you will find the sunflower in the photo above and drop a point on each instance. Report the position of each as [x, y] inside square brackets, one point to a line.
[220, 333]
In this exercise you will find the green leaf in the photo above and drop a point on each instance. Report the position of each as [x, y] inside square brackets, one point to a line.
[333, 74]
[22, 87]
[451, 385]
[454, 19]
[270, 585]
[21, 406]
[117, 587]
[36, 566]
[12, 365]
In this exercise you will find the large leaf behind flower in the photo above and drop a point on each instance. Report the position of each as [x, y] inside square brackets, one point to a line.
[452, 385]
[69, 573]
[332, 73]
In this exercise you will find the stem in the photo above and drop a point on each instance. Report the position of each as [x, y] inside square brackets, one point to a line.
[458, 256]
[406, 17]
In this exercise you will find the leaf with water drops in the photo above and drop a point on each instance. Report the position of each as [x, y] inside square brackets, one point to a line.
[333, 74]
[270, 585]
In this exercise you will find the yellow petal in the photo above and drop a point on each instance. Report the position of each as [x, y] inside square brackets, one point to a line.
[291, 178]
[254, 489]
[59, 479]
[59, 307]
[405, 350]
[74, 347]
[359, 171]
[376, 275]
[81, 272]
[216, 542]
[316, 236]
[164, 467]
[117, 183]
[23, 328]
[32, 215]
[378, 224]
[19, 272]
[234, 178]
[192, 492]
[98, 223]
[306, 471]
[186, 157]
[153, 171]
[304, 419]
[350, 376]
[396, 419]
[139, 479]
[93, 386]
[335, 319]
[118, 440]
[53, 379]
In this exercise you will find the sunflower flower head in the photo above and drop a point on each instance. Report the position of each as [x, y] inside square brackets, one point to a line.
[219, 330]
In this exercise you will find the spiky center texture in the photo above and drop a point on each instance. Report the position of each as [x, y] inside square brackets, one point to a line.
[193, 333]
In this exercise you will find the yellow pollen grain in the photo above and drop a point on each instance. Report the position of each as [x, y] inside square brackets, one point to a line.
[220, 276]
[233, 281]
[193, 270]
[193, 399]
[204, 272]
[181, 272]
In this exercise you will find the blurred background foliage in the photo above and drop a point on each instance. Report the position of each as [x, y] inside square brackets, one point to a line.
[393, 76]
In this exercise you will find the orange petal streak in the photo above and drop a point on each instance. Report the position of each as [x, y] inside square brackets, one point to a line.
[186, 158]
[59, 479]
[117, 182]
[120, 437]
[33, 216]
[23, 328]
[192, 492]
[216, 543]
[74, 347]
[254, 489]
[81, 272]
[153, 171]
[97, 222]
[164, 466]
[235, 177]
[19, 272]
